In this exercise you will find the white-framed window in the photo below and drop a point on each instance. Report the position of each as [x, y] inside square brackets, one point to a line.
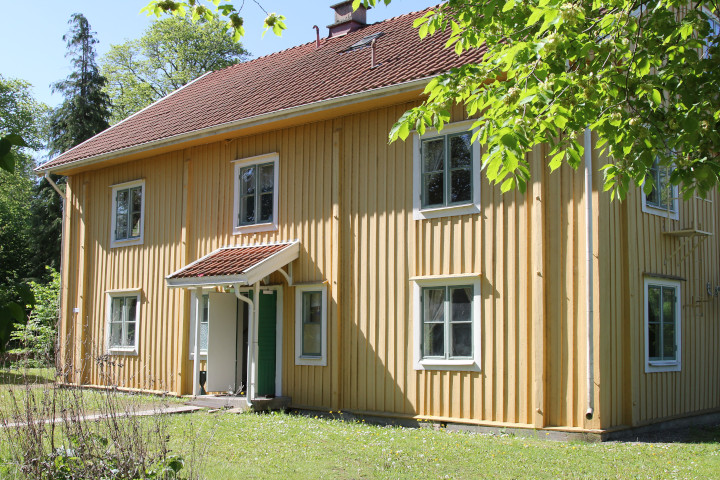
[123, 313]
[663, 199]
[204, 325]
[447, 322]
[256, 194]
[446, 173]
[128, 213]
[662, 325]
[311, 324]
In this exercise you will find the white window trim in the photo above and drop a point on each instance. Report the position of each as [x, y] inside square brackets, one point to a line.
[420, 213]
[653, 210]
[273, 158]
[301, 359]
[652, 366]
[472, 364]
[130, 241]
[109, 295]
[191, 336]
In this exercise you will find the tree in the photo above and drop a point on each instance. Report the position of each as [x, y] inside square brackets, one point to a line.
[171, 53]
[643, 75]
[86, 108]
[20, 114]
[83, 113]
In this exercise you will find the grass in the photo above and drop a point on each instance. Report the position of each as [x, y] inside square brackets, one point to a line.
[295, 446]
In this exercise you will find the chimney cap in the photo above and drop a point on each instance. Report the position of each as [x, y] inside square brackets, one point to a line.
[340, 4]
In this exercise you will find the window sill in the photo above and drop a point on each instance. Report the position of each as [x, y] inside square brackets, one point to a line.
[316, 361]
[126, 243]
[660, 212]
[469, 365]
[453, 210]
[658, 366]
[260, 227]
[122, 351]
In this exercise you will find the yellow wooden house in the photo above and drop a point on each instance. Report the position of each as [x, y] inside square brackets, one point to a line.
[256, 229]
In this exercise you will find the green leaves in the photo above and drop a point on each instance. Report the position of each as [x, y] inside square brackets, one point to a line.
[7, 160]
[550, 69]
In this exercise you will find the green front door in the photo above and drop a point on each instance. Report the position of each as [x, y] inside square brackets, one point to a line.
[267, 335]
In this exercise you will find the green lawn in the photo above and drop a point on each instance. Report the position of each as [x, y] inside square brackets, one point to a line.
[295, 446]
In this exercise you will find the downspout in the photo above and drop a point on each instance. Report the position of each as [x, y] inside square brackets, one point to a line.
[251, 332]
[589, 276]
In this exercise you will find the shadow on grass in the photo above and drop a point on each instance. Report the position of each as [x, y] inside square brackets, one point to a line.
[35, 376]
[696, 434]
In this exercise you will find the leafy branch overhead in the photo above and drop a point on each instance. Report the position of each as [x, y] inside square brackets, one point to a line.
[643, 75]
[212, 9]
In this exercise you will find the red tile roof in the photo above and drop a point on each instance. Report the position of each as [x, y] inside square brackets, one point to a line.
[298, 76]
[229, 261]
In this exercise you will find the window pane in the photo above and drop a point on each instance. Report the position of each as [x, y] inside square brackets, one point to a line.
[247, 210]
[654, 341]
[433, 153]
[136, 203]
[460, 151]
[121, 215]
[669, 319]
[131, 305]
[461, 308]
[668, 341]
[266, 207]
[460, 185]
[311, 339]
[653, 304]
[434, 340]
[130, 335]
[433, 189]
[247, 181]
[115, 334]
[135, 225]
[204, 327]
[665, 188]
[267, 178]
[312, 307]
[434, 305]
[462, 340]
[116, 309]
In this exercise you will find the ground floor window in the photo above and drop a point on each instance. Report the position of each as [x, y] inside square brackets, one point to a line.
[311, 325]
[447, 313]
[204, 326]
[662, 325]
[123, 321]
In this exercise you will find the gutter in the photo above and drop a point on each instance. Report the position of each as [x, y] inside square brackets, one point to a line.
[228, 127]
[589, 276]
[250, 387]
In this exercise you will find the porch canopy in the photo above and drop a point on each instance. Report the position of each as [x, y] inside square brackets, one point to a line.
[236, 266]
[241, 265]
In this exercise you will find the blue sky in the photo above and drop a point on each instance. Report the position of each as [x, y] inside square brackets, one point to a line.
[33, 49]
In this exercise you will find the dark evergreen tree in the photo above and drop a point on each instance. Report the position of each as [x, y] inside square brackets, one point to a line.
[84, 113]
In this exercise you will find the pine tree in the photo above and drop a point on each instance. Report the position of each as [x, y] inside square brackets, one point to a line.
[83, 114]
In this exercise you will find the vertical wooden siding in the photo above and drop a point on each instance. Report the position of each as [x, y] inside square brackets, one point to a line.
[346, 195]
[635, 246]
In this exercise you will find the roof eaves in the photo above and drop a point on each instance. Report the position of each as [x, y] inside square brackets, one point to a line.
[290, 112]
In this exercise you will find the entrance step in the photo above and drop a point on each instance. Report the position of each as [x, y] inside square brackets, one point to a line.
[265, 404]
[219, 401]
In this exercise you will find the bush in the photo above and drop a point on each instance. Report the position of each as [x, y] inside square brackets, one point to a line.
[35, 340]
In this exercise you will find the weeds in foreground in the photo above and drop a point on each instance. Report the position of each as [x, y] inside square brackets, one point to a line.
[55, 431]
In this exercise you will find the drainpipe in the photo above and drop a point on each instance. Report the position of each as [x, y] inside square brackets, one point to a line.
[251, 332]
[589, 276]
[196, 344]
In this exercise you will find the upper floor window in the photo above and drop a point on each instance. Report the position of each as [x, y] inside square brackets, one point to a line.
[663, 199]
[713, 37]
[447, 312]
[446, 173]
[123, 308]
[662, 325]
[256, 194]
[128, 206]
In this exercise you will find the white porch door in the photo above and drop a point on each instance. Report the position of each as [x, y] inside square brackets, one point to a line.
[222, 336]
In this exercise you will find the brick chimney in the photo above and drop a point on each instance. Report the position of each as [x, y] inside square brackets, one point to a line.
[347, 20]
